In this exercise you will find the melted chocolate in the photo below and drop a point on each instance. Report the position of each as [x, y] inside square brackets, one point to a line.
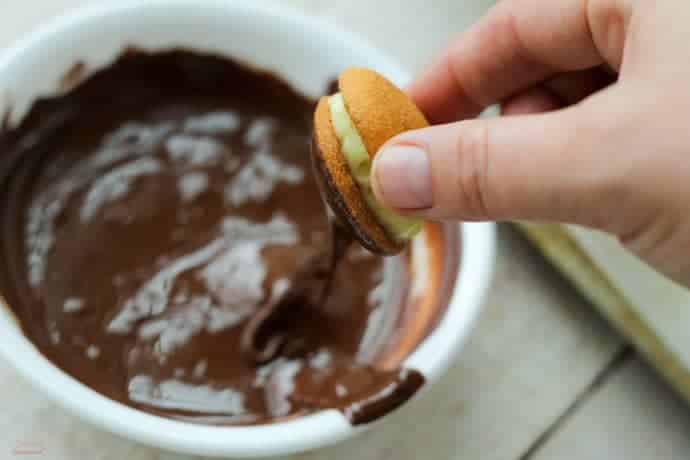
[269, 331]
[150, 213]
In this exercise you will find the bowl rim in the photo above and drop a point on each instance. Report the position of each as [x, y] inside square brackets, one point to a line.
[432, 357]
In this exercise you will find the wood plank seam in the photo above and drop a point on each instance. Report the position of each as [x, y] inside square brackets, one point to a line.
[618, 360]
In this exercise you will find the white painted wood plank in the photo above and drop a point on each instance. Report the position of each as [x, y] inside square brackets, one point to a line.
[633, 416]
[413, 31]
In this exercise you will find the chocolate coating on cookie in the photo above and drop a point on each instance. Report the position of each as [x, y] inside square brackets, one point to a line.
[339, 189]
[378, 111]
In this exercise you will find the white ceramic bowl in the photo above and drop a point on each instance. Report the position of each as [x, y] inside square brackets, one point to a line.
[306, 52]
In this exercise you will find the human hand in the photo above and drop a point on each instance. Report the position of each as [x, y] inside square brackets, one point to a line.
[596, 132]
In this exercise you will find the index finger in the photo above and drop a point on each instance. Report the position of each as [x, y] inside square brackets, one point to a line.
[517, 44]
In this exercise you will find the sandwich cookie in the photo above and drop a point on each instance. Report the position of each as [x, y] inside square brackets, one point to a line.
[350, 127]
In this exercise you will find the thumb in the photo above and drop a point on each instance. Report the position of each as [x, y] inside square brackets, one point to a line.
[528, 167]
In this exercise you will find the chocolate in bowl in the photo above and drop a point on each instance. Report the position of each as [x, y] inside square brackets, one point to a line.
[151, 210]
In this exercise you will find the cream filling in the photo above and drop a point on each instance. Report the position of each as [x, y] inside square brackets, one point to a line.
[399, 228]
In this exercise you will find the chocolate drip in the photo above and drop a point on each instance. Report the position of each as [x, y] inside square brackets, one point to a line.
[269, 331]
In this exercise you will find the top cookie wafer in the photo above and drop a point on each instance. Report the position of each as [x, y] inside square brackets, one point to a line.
[349, 129]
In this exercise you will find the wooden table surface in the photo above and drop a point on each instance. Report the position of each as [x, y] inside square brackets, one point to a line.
[543, 376]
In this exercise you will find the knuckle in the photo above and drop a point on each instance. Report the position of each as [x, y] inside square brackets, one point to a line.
[658, 241]
[600, 181]
[473, 170]
[608, 23]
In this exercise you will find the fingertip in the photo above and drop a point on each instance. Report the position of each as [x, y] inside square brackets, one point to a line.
[401, 178]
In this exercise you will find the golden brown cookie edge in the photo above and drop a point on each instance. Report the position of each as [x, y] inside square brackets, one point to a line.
[340, 179]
